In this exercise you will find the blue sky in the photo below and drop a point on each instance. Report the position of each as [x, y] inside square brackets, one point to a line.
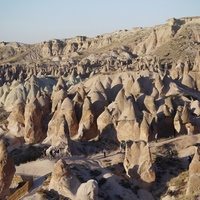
[33, 21]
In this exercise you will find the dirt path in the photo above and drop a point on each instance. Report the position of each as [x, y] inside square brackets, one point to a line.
[38, 169]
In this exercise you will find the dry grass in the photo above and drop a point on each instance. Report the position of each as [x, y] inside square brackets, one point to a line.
[180, 185]
[3, 116]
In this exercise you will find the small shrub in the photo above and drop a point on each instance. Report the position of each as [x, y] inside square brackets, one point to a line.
[102, 181]
[118, 197]
[31, 153]
[125, 184]
[95, 173]
[80, 178]
[135, 190]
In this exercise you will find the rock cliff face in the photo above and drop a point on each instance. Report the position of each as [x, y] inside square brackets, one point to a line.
[33, 126]
[87, 126]
[7, 170]
[138, 163]
[194, 173]
[65, 183]
[16, 120]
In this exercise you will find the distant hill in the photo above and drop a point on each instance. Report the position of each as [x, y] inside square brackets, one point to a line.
[177, 39]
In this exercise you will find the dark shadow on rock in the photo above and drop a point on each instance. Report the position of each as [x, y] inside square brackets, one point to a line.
[167, 168]
[114, 91]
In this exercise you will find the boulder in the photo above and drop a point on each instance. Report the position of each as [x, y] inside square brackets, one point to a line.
[88, 190]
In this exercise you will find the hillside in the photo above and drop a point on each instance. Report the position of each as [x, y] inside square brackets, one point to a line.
[169, 42]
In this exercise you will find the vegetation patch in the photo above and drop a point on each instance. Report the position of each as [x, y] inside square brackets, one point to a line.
[102, 181]
[95, 173]
[179, 182]
[24, 155]
[46, 195]
[125, 184]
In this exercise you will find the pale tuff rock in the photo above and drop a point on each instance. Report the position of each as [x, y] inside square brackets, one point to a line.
[57, 97]
[149, 104]
[7, 170]
[33, 91]
[58, 131]
[127, 126]
[196, 77]
[177, 120]
[107, 81]
[16, 119]
[158, 82]
[185, 116]
[154, 93]
[52, 126]
[195, 106]
[33, 119]
[63, 180]
[138, 164]
[128, 112]
[68, 110]
[44, 103]
[196, 67]
[104, 120]
[5, 91]
[61, 136]
[169, 104]
[98, 87]
[45, 107]
[98, 101]
[98, 98]
[60, 84]
[87, 125]
[18, 92]
[46, 50]
[144, 130]
[128, 85]
[166, 111]
[59, 93]
[137, 88]
[116, 86]
[82, 92]
[173, 90]
[88, 191]
[127, 129]
[78, 103]
[78, 98]
[114, 110]
[121, 100]
[56, 48]
[65, 183]
[193, 185]
[188, 81]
